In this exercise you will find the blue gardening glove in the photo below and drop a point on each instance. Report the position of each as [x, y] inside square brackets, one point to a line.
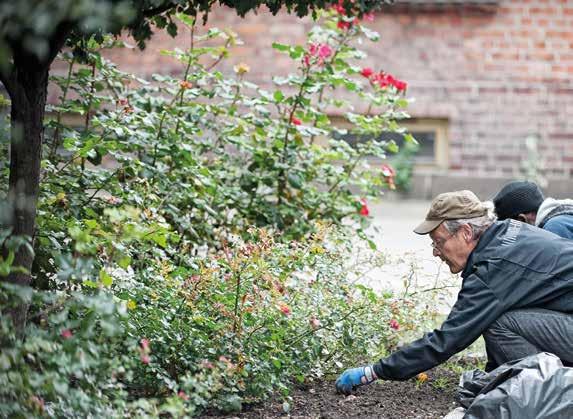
[355, 377]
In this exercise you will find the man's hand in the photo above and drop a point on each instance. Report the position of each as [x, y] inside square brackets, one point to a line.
[355, 377]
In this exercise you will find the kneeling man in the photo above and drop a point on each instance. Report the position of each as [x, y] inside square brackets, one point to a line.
[517, 292]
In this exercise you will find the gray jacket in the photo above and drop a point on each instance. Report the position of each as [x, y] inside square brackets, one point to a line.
[514, 265]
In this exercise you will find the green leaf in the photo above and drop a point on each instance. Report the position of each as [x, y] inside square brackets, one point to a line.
[10, 258]
[91, 223]
[408, 138]
[295, 180]
[392, 147]
[172, 29]
[402, 103]
[296, 52]
[278, 96]
[124, 262]
[160, 21]
[4, 269]
[186, 19]
[105, 278]
[281, 47]
[160, 238]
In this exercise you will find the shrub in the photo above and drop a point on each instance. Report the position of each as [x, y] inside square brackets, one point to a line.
[194, 236]
[231, 329]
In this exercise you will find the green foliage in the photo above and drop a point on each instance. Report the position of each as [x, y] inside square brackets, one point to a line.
[257, 316]
[208, 156]
[403, 163]
[70, 361]
[178, 339]
[195, 235]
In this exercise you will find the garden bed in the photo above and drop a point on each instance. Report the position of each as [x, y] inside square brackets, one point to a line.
[384, 399]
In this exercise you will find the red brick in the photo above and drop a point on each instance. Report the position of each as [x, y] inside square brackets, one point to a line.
[543, 56]
[567, 35]
[543, 11]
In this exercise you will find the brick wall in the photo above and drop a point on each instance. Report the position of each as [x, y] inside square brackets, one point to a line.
[498, 74]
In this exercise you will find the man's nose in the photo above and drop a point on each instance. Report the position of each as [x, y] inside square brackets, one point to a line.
[435, 252]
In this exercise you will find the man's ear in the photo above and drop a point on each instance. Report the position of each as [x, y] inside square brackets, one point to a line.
[467, 232]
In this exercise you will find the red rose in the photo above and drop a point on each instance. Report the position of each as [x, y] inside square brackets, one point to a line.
[295, 121]
[66, 334]
[364, 211]
[367, 72]
[400, 85]
[382, 79]
[339, 8]
[394, 324]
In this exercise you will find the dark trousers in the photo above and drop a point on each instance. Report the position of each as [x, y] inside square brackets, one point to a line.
[519, 333]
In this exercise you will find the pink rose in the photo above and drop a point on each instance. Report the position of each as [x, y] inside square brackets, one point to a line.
[285, 309]
[387, 171]
[314, 323]
[324, 51]
[145, 344]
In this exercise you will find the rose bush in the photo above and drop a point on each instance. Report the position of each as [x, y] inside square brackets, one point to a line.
[194, 236]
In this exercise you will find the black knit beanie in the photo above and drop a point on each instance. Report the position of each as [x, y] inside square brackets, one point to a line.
[517, 197]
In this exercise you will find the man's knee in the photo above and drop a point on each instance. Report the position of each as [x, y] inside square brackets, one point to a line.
[502, 324]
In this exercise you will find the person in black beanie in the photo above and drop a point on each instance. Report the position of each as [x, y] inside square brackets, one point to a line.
[524, 201]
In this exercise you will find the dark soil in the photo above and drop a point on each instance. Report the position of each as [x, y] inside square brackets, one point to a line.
[383, 399]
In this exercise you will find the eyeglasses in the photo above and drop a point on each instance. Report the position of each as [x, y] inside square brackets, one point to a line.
[439, 245]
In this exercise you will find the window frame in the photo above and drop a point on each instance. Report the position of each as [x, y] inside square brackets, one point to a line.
[439, 126]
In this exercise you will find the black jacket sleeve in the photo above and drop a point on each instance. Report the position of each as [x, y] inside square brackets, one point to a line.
[475, 309]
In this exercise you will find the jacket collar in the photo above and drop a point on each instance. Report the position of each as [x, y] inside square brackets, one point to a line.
[486, 238]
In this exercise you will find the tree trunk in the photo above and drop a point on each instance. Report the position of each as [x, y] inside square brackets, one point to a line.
[27, 86]
[26, 81]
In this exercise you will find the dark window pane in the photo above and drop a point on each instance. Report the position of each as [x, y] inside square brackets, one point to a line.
[426, 140]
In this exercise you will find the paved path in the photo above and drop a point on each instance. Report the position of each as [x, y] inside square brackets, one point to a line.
[407, 252]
